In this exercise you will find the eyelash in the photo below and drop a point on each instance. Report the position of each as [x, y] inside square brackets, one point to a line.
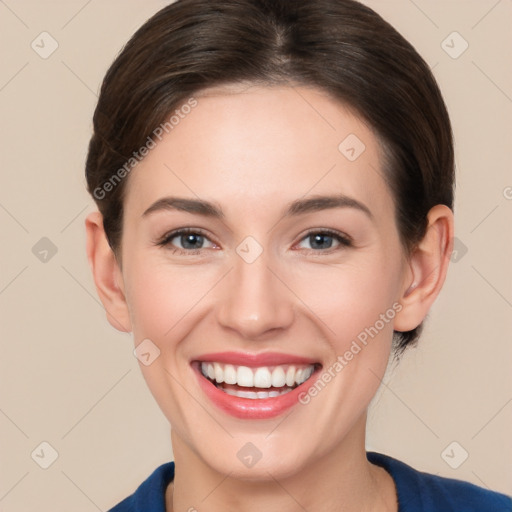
[165, 241]
[344, 240]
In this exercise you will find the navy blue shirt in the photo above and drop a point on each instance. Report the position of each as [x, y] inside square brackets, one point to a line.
[417, 491]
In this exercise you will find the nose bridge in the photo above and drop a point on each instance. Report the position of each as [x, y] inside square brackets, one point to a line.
[253, 300]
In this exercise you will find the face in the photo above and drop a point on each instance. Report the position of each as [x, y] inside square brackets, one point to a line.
[261, 260]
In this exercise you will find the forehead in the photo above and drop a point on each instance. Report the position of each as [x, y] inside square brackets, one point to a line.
[248, 147]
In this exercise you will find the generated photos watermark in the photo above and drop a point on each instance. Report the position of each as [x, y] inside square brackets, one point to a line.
[137, 156]
[357, 345]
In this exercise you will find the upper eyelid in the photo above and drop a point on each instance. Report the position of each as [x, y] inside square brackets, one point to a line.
[343, 238]
[181, 231]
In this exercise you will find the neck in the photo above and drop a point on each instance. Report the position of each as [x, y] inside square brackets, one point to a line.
[342, 479]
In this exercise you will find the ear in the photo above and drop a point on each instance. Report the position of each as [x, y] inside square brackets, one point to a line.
[106, 273]
[427, 268]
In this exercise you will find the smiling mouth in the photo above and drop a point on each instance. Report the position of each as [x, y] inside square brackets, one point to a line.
[259, 382]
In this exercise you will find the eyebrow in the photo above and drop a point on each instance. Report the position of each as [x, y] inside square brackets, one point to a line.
[318, 203]
[298, 207]
[197, 206]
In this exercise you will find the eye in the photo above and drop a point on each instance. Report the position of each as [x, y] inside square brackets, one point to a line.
[325, 240]
[192, 241]
[186, 241]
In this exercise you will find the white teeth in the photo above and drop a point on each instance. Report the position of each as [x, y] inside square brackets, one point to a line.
[244, 377]
[263, 377]
[278, 377]
[290, 376]
[229, 374]
[219, 374]
[255, 394]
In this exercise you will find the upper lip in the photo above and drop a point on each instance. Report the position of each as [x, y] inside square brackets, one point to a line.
[254, 360]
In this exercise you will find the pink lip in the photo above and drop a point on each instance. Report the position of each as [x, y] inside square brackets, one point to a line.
[246, 408]
[254, 360]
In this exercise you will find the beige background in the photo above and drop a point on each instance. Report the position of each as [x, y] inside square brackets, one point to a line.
[67, 378]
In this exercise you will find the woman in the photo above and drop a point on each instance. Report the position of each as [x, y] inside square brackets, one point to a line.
[275, 189]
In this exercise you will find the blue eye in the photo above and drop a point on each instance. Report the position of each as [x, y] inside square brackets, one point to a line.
[193, 241]
[325, 240]
[186, 241]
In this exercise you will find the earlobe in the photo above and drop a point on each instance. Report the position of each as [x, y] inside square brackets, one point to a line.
[427, 269]
[106, 273]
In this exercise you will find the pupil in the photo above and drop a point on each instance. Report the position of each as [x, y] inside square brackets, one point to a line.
[191, 241]
[321, 241]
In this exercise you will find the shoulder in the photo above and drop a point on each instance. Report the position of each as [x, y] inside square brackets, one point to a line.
[424, 492]
[150, 495]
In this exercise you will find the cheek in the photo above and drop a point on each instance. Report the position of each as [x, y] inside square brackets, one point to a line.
[164, 298]
[350, 298]
[165, 305]
[356, 305]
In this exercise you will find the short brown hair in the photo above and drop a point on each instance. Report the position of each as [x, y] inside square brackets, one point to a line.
[339, 46]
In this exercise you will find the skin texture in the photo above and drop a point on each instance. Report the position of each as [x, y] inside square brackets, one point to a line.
[252, 151]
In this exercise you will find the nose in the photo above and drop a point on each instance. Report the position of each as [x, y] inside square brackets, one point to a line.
[254, 301]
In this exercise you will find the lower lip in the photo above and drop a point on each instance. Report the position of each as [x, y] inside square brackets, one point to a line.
[248, 408]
